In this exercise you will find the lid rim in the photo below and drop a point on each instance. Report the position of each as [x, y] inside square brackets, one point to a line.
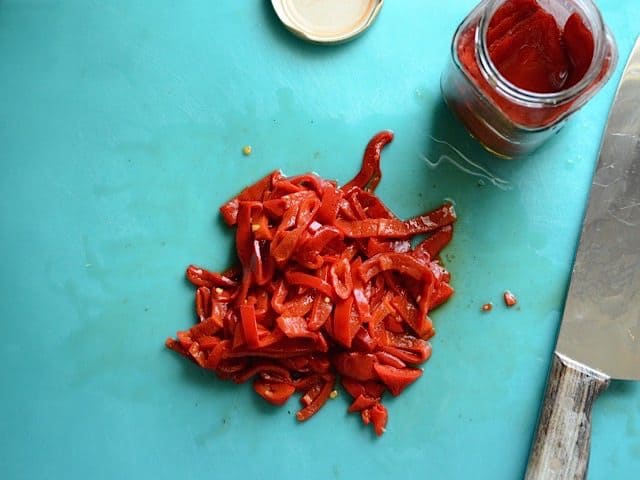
[300, 32]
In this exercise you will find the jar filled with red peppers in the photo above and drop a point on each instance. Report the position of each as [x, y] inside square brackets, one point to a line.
[520, 68]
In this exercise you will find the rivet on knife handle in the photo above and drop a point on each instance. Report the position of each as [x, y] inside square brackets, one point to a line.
[561, 447]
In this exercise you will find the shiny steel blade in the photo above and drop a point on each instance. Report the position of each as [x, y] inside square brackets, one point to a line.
[601, 321]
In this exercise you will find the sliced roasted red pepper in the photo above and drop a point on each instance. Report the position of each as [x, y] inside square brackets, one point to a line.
[369, 175]
[273, 392]
[396, 379]
[327, 282]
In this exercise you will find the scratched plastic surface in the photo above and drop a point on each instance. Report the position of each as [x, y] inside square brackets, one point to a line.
[121, 127]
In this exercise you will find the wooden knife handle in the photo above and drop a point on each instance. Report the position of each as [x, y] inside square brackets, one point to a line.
[561, 447]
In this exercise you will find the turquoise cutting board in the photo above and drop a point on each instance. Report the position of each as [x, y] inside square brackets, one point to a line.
[121, 129]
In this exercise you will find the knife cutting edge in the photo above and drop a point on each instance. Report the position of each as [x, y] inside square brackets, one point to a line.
[599, 336]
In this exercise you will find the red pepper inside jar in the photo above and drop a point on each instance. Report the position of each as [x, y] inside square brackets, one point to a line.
[520, 68]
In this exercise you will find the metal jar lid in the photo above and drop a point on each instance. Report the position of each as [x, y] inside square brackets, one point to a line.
[327, 21]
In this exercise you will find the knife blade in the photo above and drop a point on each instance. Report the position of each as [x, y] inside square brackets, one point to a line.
[599, 336]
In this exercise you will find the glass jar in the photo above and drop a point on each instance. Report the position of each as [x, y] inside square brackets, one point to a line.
[507, 120]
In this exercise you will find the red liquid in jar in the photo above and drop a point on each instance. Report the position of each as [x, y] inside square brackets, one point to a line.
[533, 52]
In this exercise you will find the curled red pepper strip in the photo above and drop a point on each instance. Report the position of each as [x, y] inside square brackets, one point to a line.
[317, 403]
[331, 197]
[203, 302]
[432, 245]
[341, 280]
[326, 283]
[273, 369]
[369, 175]
[404, 264]
[295, 327]
[204, 278]
[253, 192]
[393, 228]
[310, 281]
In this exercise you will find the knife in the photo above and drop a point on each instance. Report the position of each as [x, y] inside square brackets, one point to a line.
[599, 336]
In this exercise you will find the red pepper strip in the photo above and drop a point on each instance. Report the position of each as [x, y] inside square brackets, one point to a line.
[386, 358]
[369, 389]
[204, 278]
[197, 355]
[285, 187]
[279, 296]
[238, 341]
[378, 415]
[441, 294]
[341, 280]
[372, 205]
[244, 234]
[271, 368]
[369, 175]
[419, 323]
[207, 342]
[272, 392]
[363, 342]
[394, 228]
[304, 384]
[310, 181]
[284, 348]
[375, 246]
[377, 329]
[253, 192]
[217, 354]
[309, 252]
[394, 324]
[319, 364]
[285, 241]
[262, 270]
[228, 368]
[295, 327]
[396, 379]
[320, 312]
[174, 345]
[299, 306]
[342, 323]
[358, 209]
[355, 365]
[249, 325]
[277, 207]
[203, 302]
[311, 394]
[435, 243]
[413, 357]
[209, 326]
[229, 322]
[361, 403]
[358, 291]
[321, 342]
[311, 409]
[309, 281]
[331, 197]
[395, 261]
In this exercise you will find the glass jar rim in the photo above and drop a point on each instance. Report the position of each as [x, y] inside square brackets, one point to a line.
[504, 86]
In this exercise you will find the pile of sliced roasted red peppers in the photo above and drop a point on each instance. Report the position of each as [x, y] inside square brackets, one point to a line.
[328, 284]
